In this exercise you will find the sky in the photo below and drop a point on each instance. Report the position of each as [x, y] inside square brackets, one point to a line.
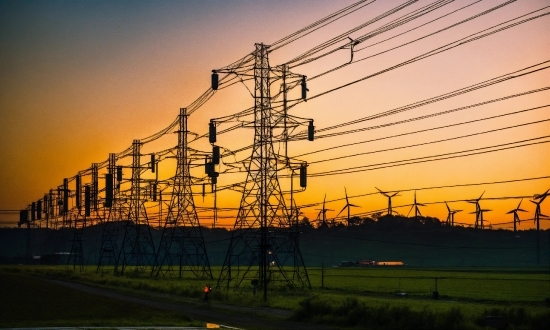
[82, 79]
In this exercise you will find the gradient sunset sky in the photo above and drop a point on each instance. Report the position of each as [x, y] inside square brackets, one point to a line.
[82, 79]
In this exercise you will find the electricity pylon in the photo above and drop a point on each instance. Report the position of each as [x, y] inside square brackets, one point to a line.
[451, 215]
[109, 237]
[389, 199]
[137, 244]
[76, 254]
[264, 244]
[516, 216]
[348, 206]
[182, 243]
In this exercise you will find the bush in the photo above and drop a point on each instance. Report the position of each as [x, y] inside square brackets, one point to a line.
[352, 313]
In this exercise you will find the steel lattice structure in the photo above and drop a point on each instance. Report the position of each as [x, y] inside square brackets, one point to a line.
[182, 243]
[109, 246]
[263, 239]
[137, 244]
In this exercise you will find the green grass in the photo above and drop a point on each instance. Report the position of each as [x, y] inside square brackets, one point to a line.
[30, 302]
[466, 295]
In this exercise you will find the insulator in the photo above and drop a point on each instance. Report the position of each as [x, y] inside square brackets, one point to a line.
[39, 210]
[87, 200]
[203, 190]
[214, 80]
[65, 196]
[119, 173]
[160, 195]
[108, 190]
[310, 131]
[78, 192]
[303, 175]
[215, 154]
[304, 88]
[215, 178]
[33, 210]
[212, 132]
[23, 216]
[154, 192]
[153, 163]
[209, 168]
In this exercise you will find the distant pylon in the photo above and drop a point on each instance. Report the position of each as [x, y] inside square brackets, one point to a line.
[451, 215]
[182, 243]
[389, 199]
[538, 199]
[113, 217]
[137, 247]
[516, 216]
[348, 206]
[76, 254]
[264, 246]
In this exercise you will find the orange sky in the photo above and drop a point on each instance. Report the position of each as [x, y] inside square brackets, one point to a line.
[80, 81]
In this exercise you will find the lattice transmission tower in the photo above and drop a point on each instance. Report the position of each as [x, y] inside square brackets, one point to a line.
[137, 246]
[113, 214]
[264, 245]
[182, 243]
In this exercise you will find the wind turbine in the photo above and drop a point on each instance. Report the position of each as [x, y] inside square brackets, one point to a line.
[323, 213]
[451, 216]
[538, 214]
[416, 209]
[479, 216]
[515, 212]
[478, 213]
[389, 199]
[348, 206]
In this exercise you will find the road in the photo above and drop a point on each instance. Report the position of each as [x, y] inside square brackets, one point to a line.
[232, 316]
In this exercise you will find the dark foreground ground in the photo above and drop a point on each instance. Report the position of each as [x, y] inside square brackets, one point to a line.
[34, 302]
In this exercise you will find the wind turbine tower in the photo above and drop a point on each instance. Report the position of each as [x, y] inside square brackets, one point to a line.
[516, 216]
[348, 206]
[416, 209]
[538, 199]
[451, 215]
[322, 215]
[478, 213]
[389, 199]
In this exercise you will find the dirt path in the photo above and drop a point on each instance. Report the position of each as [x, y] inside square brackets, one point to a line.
[233, 316]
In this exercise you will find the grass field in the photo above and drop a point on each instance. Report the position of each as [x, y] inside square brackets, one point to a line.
[469, 294]
[28, 302]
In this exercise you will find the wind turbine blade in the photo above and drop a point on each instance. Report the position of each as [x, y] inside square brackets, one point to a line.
[521, 210]
[346, 192]
[510, 211]
[481, 195]
[448, 208]
[383, 193]
[341, 210]
[410, 211]
[519, 204]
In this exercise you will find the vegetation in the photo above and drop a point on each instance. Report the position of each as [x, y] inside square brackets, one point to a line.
[27, 302]
[351, 297]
